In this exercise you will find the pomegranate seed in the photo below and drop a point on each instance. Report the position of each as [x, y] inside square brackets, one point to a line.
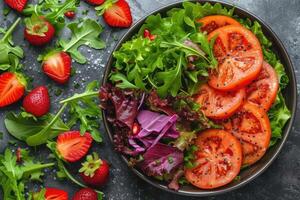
[147, 34]
[136, 128]
[70, 14]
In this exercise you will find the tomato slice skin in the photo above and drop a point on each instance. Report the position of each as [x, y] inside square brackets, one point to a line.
[263, 90]
[213, 22]
[239, 56]
[218, 159]
[217, 104]
[252, 127]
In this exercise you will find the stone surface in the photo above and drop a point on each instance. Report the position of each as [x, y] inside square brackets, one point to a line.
[280, 181]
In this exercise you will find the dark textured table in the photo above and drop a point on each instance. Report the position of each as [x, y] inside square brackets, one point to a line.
[280, 181]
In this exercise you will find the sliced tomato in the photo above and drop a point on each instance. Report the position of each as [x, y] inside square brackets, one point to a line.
[264, 89]
[217, 104]
[239, 56]
[218, 159]
[213, 22]
[251, 126]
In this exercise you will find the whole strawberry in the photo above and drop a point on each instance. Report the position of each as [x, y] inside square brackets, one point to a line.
[38, 31]
[94, 171]
[17, 5]
[86, 194]
[37, 102]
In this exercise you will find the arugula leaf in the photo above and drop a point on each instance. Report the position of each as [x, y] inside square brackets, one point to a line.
[85, 33]
[83, 108]
[23, 127]
[10, 55]
[15, 175]
[171, 79]
[36, 131]
[52, 10]
[144, 64]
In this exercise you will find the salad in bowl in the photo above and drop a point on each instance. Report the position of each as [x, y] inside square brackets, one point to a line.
[194, 97]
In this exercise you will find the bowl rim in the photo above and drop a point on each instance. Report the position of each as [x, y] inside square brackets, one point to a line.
[288, 126]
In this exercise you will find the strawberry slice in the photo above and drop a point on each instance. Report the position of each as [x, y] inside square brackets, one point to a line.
[38, 31]
[17, 5]
[72, 146]
[55, 194]
[12, 88]
[118, 14]
[57, 65]
[95, 2]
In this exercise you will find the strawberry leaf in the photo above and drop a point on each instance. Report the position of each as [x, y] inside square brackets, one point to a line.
[36, 26]
[85, 33]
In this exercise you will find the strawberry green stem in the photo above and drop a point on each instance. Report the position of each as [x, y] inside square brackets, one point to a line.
[10, 30]
[79, 96]
[74, 180]
[38, 167]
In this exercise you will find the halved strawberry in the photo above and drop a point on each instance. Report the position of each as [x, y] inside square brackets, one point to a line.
[95, 2]
[118, 14]
[37, 102]
[55, 194]
[57, 65]
[38, 30]
[72, 146]
[12, 88]
[17, 5]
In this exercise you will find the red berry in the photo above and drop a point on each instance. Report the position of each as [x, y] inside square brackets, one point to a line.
[147, 34]
[72, 146]
[55, 194]
[12, 88]
[94, 171]
[118, 15]
[70, 14]
[85, 194]
[17, 5]
[37, 102]
[136, 128]
[57, 66]
[38, 31]
[95, 2]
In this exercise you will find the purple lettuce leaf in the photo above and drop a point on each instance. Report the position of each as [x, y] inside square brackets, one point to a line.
[161, 159]
[120, 105]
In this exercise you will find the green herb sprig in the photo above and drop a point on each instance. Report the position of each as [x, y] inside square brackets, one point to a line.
[15, 175]
[36, 131]
[10, 55]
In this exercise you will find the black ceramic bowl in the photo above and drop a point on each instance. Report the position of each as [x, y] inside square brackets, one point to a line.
[289, 93]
